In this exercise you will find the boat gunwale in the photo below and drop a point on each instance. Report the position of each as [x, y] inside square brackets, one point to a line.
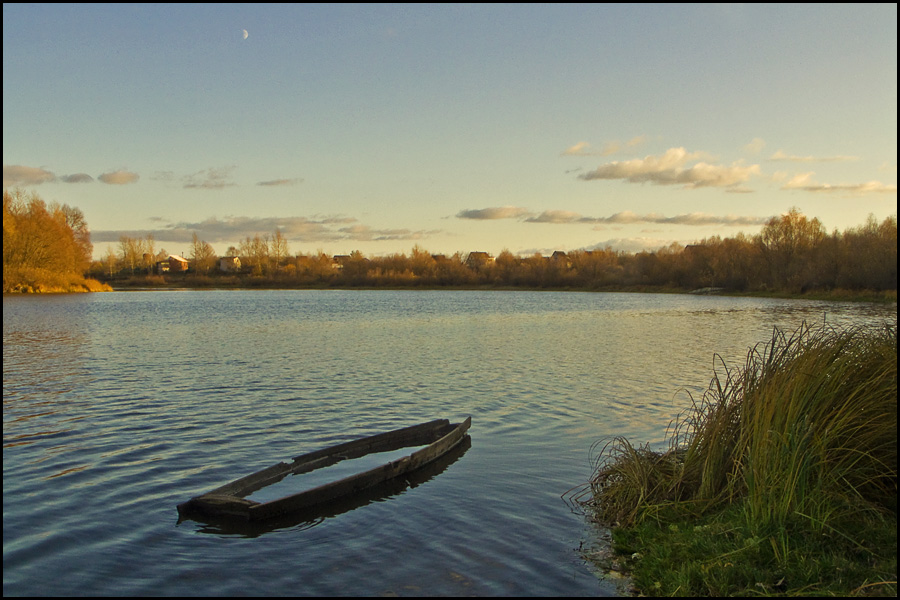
[229, 500]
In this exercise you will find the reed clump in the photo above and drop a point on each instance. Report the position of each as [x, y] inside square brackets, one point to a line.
[796, 451]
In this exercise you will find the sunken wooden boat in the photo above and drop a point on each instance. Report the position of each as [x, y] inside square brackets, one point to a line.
[229, 500]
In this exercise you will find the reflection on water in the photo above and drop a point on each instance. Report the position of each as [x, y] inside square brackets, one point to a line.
[42, 407]
[318, 514]
[118, 406]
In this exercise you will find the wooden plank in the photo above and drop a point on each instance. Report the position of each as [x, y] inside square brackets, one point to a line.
[228, 500]
[382, 442]
[360, 481]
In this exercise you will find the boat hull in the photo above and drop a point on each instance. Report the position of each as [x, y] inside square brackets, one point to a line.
[228, 501]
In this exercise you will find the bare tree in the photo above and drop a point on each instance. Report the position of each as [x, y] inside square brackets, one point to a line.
[278, 249]
[202, 254]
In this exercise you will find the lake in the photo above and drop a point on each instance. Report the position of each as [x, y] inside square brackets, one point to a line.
[118, 406]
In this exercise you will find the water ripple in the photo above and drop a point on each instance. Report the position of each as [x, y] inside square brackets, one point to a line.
[119, 406]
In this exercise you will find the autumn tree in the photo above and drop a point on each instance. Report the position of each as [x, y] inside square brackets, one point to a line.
[255, 251]
[202, 254]
[355, 268]
[422, 263]
[867, 256]
[148, 255]
[278, 249]
[43, 246]
[131, 251]
[788, 244]
[111, 260]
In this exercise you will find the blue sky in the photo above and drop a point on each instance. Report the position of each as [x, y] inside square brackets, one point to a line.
[530, 128]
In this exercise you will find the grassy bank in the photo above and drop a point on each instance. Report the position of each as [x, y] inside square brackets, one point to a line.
[781, 480]
[45, 281]
[222, 281]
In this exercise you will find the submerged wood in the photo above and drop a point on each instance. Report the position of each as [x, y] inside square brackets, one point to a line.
[229, 500]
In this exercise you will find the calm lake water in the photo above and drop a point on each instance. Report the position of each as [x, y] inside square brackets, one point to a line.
[118, 406]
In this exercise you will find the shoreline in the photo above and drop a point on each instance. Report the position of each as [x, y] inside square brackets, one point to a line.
[879, 297]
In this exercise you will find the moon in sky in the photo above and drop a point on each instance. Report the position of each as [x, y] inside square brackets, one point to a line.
[245, 34]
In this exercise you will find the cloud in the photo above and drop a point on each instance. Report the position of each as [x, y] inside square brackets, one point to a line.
[584, 148]
[364, 233]
[693, 219]
[555, 216]
[638, 244]
[670, 169]
[500, 212]
[234, 229]
[781, 156]
[804, 182]
[620, 218]
[579, 149]
[18, 175]
[281, 182]
[77, 178]
[755, 146]
[120, 177]
[210, 179]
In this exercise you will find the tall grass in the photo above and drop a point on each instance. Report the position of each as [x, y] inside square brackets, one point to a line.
[802, 441]
[30, 280]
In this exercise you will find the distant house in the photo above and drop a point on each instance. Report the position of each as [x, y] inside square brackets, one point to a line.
[162, 266]
[476, 260]
[560, 257]
[340, 260]
[228, 264]
[177, 264]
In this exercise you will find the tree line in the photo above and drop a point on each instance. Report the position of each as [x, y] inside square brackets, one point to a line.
[45, 247]
[792, 254]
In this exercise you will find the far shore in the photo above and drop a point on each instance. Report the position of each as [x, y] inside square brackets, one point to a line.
[881, 297]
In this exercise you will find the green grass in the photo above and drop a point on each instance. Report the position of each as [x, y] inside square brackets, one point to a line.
[782, 480]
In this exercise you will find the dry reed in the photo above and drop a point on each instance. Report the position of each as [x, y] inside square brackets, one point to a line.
[807, 428]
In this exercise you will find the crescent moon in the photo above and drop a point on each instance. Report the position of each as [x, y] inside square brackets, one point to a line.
[246, 34]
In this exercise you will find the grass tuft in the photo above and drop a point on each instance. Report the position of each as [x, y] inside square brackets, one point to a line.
[782, 479]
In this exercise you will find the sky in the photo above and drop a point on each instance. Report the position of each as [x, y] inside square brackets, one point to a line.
[454, 128]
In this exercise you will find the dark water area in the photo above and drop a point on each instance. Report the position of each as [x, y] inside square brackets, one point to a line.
[118, 406]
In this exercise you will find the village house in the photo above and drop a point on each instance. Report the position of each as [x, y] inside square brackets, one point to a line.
[561, 258]
[476, 260]
[229, 264]
[177, 264]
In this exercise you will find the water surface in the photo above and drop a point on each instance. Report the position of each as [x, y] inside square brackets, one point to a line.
[118, 406]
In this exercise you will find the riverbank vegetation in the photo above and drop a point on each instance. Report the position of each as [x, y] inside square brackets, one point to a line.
[46, 248]
[781, 480]
[792, 255]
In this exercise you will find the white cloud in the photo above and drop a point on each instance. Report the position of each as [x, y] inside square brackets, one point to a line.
[609, 148]
[670, 169]
[579, 149]
[804, 182]
[120, 177]
[694, 219]
[555, 216]
[210, 179]
[637, 244]
[755, 146]
[18, 175]
[782, 156]
[620, 218]
[500, 212]
[364, 233]
[294, 229]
